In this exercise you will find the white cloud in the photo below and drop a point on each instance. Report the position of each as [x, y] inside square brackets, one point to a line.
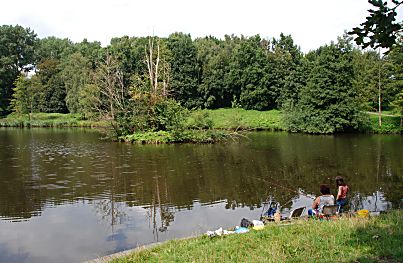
[311, 23]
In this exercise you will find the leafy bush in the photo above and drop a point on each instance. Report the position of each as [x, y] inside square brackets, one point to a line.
[199, 120]
[147, 112]
[200, 136]
[151, 137]
[189, 136]
[169, 116]
[328, 103]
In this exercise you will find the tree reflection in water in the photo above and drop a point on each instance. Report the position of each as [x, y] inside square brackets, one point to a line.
[161, 207]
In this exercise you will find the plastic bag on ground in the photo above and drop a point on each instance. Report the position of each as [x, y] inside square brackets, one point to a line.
[219, 232]
[241, 230]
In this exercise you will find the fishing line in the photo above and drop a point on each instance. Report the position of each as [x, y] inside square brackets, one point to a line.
[284, 187]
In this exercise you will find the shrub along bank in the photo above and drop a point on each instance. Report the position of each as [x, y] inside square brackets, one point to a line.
[376, 239]
[183, 136]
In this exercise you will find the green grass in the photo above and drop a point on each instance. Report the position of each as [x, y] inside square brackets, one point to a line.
[185, 136]
[389, 124]
[49, 120]
[377, 239]
[244, 119]
[231, 119]
[220, 119]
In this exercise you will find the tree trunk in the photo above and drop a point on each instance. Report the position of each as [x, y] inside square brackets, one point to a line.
[379, 89]
[401, 121]
[156, 70]
[379, 96]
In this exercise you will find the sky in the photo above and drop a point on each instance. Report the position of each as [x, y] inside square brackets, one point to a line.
[311, 23]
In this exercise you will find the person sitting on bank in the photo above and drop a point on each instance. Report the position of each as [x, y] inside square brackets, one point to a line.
[341, 198]
[325, 199]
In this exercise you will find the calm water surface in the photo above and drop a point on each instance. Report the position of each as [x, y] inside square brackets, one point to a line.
[67, 196]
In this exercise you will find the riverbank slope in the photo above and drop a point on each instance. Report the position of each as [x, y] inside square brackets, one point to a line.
[228, 119]
[50, 120]
[376, 239]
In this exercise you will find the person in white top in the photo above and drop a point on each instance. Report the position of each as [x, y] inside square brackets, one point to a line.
[325, 199]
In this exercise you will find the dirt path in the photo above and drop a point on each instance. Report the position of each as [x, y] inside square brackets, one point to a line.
[382, 114]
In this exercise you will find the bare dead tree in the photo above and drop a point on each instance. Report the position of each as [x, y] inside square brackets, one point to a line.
[165, 78]
[149, 61]
[109, 79]
[153, 66]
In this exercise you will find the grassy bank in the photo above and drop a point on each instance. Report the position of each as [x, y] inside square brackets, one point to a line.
[377, 239]
[242, 119]
[390, 124]
[49, 120]
[230, 119]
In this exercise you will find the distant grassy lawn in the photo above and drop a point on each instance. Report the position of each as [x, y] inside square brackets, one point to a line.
[234, 119]
[245, 119]
[377, 239]
[388, 112]
[221, 119]
[49, 120]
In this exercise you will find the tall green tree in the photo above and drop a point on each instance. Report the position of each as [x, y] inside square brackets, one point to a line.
[25, 95]
[17, 45]
[288, 69]
[328, 103]
[50, 53]
[184, 73]
[398, 105]
[89, 100]
[130, 54]
[214, 58]
[366, 78]
[75, 74]
[53, 91]
[90, 50]
[253, 75]
[54, 48]
[395, 58]
[394, 72]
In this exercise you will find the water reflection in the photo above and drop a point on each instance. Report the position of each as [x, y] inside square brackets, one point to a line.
[68, 189]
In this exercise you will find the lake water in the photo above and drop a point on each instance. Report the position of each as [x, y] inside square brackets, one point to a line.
[68, 196]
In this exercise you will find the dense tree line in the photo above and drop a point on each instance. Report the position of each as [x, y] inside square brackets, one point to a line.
[325, 90]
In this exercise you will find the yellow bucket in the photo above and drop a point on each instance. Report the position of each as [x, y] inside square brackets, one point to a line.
[363, 213]
[258, 227]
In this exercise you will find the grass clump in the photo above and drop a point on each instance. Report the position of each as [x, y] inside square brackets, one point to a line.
[376, 239]
[183, 136]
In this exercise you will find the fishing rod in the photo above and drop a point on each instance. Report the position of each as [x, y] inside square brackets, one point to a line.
[281, 186]
[284, 187]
